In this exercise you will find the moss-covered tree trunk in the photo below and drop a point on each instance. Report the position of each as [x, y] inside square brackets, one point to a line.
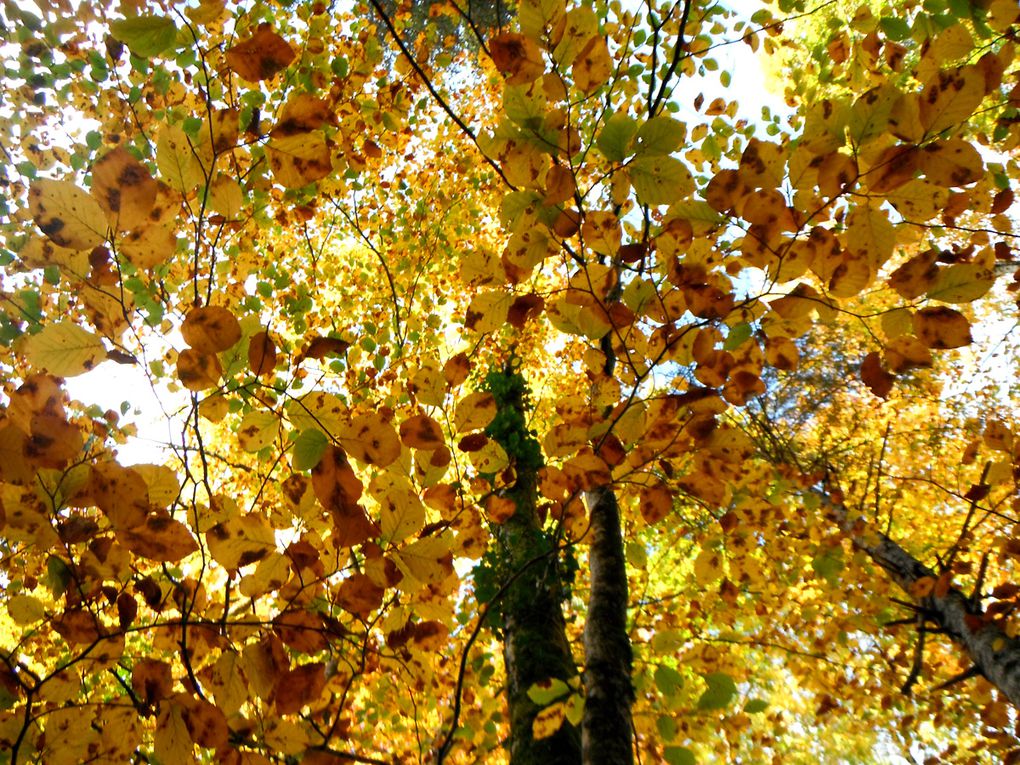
[535, 646]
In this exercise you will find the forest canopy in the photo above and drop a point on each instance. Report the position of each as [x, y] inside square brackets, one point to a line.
[509, 382]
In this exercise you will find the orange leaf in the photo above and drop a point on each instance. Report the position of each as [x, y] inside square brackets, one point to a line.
[421, 432]
[942, 327]
[260, 56]
[320, 347]
[877, 379]
[518, 57]
[210, 329]
[261, 354]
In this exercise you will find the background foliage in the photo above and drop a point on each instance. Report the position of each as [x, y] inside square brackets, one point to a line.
[398, 274]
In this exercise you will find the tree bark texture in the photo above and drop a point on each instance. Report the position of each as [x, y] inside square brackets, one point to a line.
[994, 653]
[606, 730]
[535, 646]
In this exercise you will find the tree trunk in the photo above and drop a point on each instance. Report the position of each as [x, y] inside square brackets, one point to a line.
[535, 646]
[994, 654]
[606, 728]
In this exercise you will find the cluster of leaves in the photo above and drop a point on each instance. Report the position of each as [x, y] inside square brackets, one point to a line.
[311, 231]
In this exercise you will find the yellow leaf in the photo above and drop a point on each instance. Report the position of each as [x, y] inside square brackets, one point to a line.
[64, 349]
[870, 236]
[488, 310]
[299, 159]
[371, 439]
[474, 412]
[172, 740]
[951, 98]
[490, 458]
[176, 160]
[25, 609]
[952, 162]
[241, 540]
[257, 430]
[271, 573]
[226, 196]
[539, 17]
[149, 246]
[120, 493]
[427, 560]
[580, 24]
[227, 683]
[401, 510]
[549, 720]
[962, 283]
[593, 65]
[66, 214]
[708, 567]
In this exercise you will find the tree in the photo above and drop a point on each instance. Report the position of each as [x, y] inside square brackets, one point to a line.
[523, 402]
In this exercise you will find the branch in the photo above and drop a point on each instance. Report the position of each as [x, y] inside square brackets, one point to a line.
[435, 93]
[995, 654]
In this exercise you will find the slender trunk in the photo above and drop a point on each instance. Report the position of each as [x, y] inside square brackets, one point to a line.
[606, 727]
[535, 646]
[994, 653]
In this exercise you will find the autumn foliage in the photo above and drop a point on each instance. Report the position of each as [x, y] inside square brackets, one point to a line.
[485, 388]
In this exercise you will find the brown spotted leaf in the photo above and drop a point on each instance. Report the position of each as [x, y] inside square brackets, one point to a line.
[124, 189]
[942, 327]
[67, 214]
[198, 371]
[121, 493]
[241, 540]
[161, 539]
[518, 57]
[369, 438]
[260, 56]
[421, 432]
[210, 329]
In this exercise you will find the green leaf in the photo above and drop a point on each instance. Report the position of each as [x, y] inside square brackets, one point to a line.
[738, 336]
[678, 755]
[524, 105]
[58, 575]
[64, 349]
[660, 179]
[545, 692]
[828, 564]
[308, 449]
[660, 135]
[755, 706]
[616, 136]
[146, 36]
[667, 727]
[962, 283]
[668, 680]
[720, 692]
[895, 28]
